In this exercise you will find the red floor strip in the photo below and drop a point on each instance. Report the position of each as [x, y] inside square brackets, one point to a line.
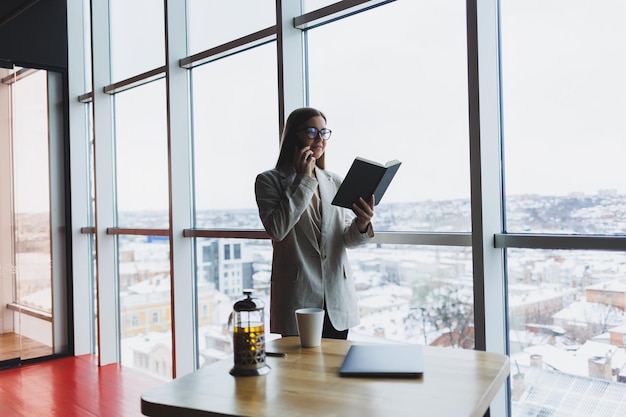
[73, 387]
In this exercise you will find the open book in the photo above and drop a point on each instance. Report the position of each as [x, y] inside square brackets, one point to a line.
[363, 179]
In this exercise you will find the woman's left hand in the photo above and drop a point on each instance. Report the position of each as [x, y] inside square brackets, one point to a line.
[364, 212]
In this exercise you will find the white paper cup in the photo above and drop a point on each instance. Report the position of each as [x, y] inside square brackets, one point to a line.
[310, 323]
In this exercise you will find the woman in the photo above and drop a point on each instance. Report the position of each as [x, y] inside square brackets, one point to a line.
[309, 235]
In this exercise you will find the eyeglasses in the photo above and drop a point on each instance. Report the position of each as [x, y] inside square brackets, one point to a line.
[312, 132]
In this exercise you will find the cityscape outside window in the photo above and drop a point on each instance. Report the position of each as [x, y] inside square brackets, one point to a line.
[560, 87]
[393, 82]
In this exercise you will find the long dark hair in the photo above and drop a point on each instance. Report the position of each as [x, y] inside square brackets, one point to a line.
[289, 140]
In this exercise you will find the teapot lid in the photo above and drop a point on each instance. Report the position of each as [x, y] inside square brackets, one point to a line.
[248, 303]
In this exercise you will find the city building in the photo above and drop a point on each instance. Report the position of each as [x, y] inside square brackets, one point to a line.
[610, 293]
[224, 263]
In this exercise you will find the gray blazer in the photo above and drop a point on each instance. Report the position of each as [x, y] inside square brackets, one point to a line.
[305, 273]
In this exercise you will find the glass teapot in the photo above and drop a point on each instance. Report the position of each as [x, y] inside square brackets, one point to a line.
[246, 324]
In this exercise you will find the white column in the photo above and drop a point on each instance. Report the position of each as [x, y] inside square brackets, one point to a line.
[106, 254]
[291, 58]
[181, 250]
[79, 185]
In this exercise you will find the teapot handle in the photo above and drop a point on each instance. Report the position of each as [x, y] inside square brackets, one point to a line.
[230, 325]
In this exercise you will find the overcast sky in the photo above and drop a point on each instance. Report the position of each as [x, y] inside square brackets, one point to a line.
[393, 83]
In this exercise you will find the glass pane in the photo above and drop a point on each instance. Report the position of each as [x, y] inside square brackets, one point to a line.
[564, 90]
[393, 84]
[26, 249]
[567, 332]
[235, 128]
[137, 37]
[31, 181]
[87, 44]
[212, 23]
[406, 293]
[10, 339]
[142, 201]
[141, 157]
[145, 308]
[417, 294]
[224, 268]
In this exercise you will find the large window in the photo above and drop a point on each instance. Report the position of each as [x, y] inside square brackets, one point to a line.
[137, 37]
[509, 136]
[31, 172]
[562, 103]
[213, 23]
[32, 216]
[393, 84]
[145, 310]
[142, 203]
[567, 332]
[141, 156]
[236, 135]
[417, 294]
[417, 113]
[235, 132]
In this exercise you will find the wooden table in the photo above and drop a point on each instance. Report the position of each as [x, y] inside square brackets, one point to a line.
[456, 383]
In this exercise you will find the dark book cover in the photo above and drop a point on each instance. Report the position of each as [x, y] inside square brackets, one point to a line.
[363, 179]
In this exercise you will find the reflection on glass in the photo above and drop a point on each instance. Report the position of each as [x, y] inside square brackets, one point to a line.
[567, 332]
[145, 309]
[235, 129]
[26, 252]
[212, 23]
[563, 90]
[137, 37]
[31, 173]
[141, 157]
[399, 92]
[31, 177]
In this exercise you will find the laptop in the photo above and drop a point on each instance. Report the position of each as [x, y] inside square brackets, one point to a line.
[384, 360]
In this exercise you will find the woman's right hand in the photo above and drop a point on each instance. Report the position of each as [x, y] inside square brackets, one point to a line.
[303, 161]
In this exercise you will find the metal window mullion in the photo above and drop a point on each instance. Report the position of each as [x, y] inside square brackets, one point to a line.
[136, 81]
[230, 48]
[490, 310]
[335, 11]
[184, 300]
[565, 242]
[460, 239]
[106, 255]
